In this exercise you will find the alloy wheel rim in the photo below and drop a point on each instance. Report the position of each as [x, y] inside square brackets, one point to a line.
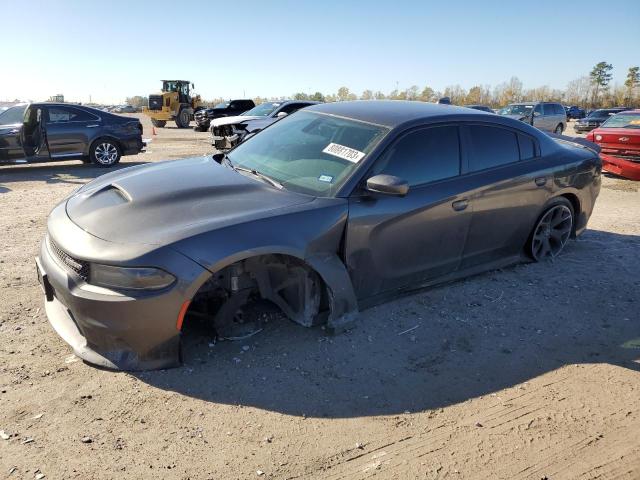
[552, 232]
[106, 153]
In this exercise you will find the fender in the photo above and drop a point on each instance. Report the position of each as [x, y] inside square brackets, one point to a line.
[316, 244]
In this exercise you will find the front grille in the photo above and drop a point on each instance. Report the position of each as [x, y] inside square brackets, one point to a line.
[79, 267]
[155, 102]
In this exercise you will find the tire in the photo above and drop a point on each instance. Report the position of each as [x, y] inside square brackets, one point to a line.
[558, 130]
[552, 230]
[183, 119]
[105, 152]
[158, 123]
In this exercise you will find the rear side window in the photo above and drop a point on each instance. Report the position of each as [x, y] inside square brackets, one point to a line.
[423, 156]
[64, 114]
[559, 109]
[527, 147]
[491, 147]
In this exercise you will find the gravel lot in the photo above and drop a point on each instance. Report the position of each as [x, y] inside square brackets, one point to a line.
[528, 372]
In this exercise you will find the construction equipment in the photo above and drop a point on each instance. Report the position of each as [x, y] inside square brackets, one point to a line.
[175, 102]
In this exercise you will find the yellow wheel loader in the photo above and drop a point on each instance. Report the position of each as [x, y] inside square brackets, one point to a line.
[175, 102]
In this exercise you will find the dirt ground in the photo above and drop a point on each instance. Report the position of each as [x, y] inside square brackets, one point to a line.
[530, 372]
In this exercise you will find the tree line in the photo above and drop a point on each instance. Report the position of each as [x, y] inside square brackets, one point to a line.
[593, 90]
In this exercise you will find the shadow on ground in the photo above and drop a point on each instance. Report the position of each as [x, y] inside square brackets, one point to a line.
[435, 348]
[52, 173]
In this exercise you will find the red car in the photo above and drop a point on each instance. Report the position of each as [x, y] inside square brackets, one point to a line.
[619, 139]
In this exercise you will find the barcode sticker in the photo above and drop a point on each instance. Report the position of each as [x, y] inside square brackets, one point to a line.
[346, 153]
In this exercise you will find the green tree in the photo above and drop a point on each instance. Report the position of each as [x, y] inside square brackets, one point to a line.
[343, 94]
[300, 96]
[379, 95]
[600, 77]
[428, 94]
[318, 97]
[632, 82]
[366, 95]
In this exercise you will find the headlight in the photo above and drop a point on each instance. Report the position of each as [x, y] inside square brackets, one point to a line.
[598, 137]
[145, 278]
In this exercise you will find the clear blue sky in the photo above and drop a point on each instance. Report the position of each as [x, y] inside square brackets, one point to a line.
[120, 48]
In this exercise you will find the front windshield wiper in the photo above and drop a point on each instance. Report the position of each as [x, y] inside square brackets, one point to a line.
[255, 173]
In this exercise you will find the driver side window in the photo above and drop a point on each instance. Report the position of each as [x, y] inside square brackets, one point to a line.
[538, 109]
[422, 156]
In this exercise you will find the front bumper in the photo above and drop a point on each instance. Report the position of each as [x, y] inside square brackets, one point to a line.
[137, 331]
[619, 166]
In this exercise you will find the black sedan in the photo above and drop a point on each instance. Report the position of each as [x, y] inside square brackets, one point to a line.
[332, 209]
[44, 132]
[596, 118]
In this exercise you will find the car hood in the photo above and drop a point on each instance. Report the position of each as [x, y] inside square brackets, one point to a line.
[516, 116]
[231, 120]
[165, 202]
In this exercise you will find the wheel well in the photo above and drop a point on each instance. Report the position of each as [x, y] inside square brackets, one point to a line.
[286, 281]
[104, 137]
[575, 203]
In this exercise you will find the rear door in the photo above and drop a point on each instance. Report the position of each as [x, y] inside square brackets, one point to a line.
[508, 185]
[395, 242]
[68, 130]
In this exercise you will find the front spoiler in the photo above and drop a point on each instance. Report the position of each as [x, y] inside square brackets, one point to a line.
[133, 331]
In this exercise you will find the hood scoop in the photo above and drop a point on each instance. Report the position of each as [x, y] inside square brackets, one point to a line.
[167, 201]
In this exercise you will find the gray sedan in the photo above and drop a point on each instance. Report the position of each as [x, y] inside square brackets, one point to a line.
[326, 212]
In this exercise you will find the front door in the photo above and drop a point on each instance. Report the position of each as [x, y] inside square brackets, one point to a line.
[399, 242]
[10, 147]
[68, 130]
[33, 136]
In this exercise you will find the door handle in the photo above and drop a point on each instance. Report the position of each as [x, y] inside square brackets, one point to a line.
[541, 181]
[460, 205]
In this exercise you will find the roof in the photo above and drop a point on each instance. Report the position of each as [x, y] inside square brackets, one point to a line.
[391, 113]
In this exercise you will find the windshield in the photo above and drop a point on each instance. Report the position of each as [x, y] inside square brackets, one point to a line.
[308, 152]
[12, 115]
[622, 120]
[222, 105]
[262, 110]
[516, 110]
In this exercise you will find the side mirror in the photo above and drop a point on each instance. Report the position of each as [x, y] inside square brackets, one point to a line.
[281, 114]
[536, 114]
[218, 157]
[388, 185]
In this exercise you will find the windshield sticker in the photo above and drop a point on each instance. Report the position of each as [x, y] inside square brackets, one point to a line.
[343, 152]
[325, 178]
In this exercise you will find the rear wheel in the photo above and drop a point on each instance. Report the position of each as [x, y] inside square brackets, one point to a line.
[558, 130]
[158, 123]
[183, 119]
[105, 152]
[552, 231]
